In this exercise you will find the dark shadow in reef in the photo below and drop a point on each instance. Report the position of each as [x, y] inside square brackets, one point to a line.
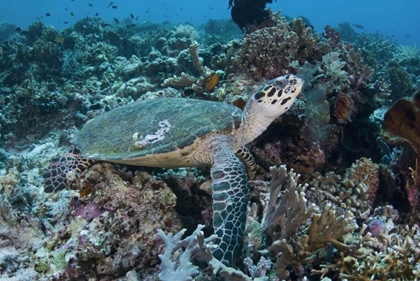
[249, 12]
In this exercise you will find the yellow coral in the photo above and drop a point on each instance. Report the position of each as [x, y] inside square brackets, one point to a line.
[212, 81]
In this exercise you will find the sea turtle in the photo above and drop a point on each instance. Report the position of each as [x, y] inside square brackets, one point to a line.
[172, 132]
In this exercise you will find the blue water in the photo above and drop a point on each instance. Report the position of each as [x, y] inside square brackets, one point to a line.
[397, 19]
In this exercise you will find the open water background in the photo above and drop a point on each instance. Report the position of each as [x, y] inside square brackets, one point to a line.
[398, 20]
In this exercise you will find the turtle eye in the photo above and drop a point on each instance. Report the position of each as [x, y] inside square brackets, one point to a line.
[281, 82]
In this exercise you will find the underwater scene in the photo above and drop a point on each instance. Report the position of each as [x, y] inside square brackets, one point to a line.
[209, 140]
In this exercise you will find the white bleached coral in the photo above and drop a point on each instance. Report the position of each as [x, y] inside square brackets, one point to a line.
[334, 68]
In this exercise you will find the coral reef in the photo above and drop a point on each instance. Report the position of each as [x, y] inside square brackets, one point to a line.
[406, 53]
[265, 53]
[347, 33]
[332, 36]
[351, 214]
[343, 108]
[402, 127]
[376, 46]
[298, 235]
[7, 30]
[401, 84]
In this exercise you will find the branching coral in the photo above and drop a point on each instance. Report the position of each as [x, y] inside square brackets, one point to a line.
[287, 211]
[183, 269]
[179, 267]
[380, 48]
[355, 192]
[400, 261]
[284, 214]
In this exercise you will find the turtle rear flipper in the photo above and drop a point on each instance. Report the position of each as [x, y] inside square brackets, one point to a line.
[55, 177]
[230, 199]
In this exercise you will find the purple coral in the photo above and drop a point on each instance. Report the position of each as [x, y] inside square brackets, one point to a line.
[376, 227]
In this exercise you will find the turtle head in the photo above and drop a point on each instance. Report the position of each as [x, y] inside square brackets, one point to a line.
[269, 102]
[277, 96]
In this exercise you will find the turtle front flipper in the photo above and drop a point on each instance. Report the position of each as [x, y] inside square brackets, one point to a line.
[230, 199]
[55, 177]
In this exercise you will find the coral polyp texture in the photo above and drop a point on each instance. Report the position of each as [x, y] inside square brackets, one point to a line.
[333, 194]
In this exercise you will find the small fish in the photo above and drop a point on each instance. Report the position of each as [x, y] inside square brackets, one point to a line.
[59, 40]
[116, 20]
[90, 5]
[65, 9]
[114, 7]
[110, 4]
[66, 22]
[18, 29]
[132, 16]
[72, 14]
[47, 14]
[97, 14]
[358, 25]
